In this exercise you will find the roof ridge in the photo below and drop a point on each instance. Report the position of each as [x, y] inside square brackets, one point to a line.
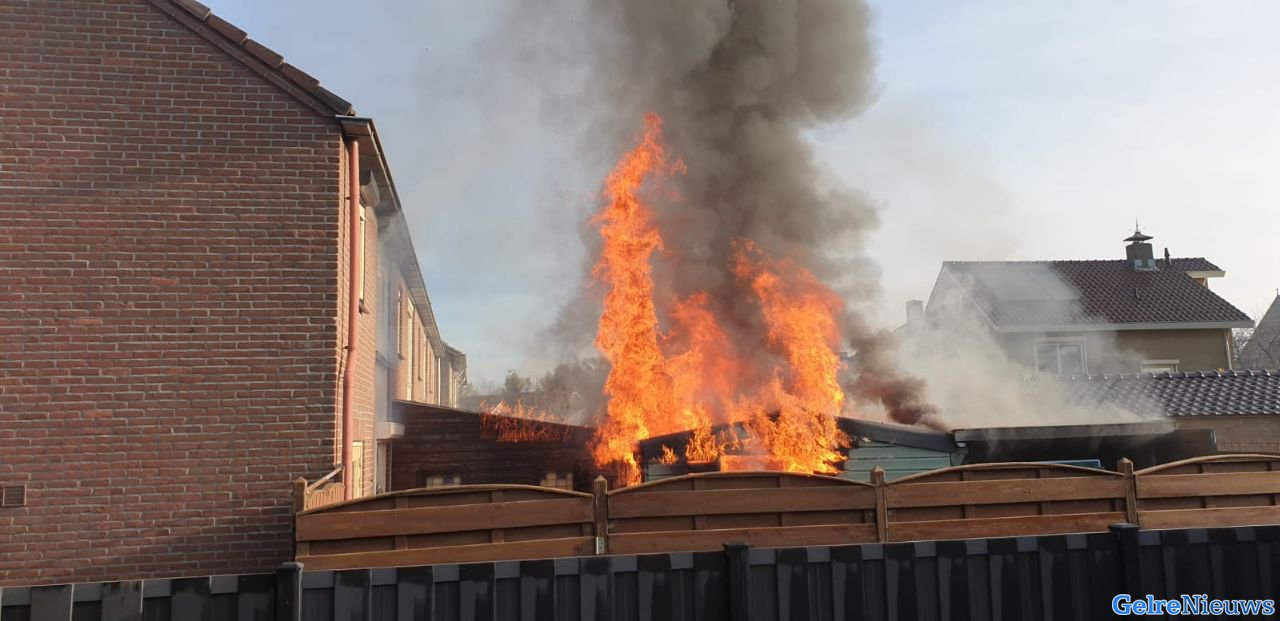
[270, 59]
[1223, 374]
[995, 261]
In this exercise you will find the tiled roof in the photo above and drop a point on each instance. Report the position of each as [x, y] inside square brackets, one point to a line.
[273, 65]
[1263, 348]
[1212, 393]
[1025, 294]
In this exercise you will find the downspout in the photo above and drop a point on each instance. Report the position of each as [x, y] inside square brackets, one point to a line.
[355, 276]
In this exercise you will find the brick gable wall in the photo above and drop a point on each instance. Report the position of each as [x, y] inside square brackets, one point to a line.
[168, 298]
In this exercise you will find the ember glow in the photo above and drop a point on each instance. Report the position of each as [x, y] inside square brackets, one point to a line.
[520, 423]
[674, 367]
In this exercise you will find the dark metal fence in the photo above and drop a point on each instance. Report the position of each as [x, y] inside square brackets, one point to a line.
[1055, 577]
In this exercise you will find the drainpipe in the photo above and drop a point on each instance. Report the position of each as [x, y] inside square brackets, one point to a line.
[355, 275]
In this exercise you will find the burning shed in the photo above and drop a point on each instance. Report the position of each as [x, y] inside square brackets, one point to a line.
[444, 446]
[903, 450]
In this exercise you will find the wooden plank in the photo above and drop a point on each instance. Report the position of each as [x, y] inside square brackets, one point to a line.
[429, 520]
[483, 552]
[1221, 484]
[694, 540]
[402, 541]
[1001, 491]
[496, 535]
[1210, 518]
[1003, 526]
[760, 500]
[895, 452]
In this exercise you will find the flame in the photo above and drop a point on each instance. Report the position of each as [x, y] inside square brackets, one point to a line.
[522, 423]
[668, 456]
[690, 377]
[637, 386]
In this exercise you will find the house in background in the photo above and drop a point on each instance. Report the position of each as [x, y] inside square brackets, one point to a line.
[1262, 351]
[209, 292]
[1094, 317]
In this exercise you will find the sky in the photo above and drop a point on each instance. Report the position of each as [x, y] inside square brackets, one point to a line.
[1000, 131]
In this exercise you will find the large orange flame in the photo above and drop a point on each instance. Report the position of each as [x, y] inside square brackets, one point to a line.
[637, 386]
[690, 378]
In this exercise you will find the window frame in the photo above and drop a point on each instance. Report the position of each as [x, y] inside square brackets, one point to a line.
[1057, 342]
[1161, 365]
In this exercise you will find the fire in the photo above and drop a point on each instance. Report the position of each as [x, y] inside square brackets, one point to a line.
[692, 376]
[800, 314]
[521, 423]
[628, 333]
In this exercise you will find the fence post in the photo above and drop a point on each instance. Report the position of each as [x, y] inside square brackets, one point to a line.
[299, 495]
[600, 513]
[289, 592]
[738, 563]
[882, 507]
[1130, 558]
[1130, 490]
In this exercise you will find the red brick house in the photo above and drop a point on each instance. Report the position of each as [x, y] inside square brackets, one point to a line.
[180, 328]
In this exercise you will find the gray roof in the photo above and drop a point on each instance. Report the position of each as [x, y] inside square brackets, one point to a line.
[1207, 393]
[1048, 294]
[1263, 349]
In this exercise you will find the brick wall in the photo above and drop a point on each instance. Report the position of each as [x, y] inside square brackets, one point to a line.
[1239, 434]
[444, 441]
[168, 298]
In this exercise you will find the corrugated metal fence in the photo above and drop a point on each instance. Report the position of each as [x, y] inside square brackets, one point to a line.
[1054, 577]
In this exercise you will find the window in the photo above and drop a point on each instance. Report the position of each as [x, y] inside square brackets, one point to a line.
[440, 480]
[558, 480]
[1061, 356]
[1160, 366]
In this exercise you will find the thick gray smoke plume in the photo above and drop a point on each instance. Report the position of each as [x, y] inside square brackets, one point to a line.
[738, 84]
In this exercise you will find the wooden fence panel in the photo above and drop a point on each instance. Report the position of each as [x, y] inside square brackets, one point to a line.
[704, 511]
[996, 500]
[1219, 490]
[447, 525]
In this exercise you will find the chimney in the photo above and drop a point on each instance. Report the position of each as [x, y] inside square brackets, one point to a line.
[915, 311]
[1139, 253]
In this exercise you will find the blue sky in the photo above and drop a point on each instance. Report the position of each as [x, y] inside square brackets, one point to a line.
[1001, 130]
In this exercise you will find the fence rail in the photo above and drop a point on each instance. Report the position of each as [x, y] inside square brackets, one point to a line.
[704, 511]
[1056, 577]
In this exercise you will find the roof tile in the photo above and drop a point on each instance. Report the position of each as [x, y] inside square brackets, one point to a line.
[1020, 294]
[299, 77]
[264, 54]
[195, 8]
[226, 29]
[1199, 393]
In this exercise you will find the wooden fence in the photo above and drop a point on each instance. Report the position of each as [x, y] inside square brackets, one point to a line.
[771, 509]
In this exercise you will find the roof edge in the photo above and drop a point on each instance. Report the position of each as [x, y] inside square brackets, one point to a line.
[257, 57]
[1120, 327]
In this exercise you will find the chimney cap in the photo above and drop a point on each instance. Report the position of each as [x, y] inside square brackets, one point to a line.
[1138, 236]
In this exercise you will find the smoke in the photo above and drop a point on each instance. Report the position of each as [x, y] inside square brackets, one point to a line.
[739, 86]
[981, 378]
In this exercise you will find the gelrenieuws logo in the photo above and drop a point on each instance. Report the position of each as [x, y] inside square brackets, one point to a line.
[1125, 605]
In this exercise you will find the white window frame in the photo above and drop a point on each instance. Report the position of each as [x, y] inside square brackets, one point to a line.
[1061, 340]
[1160, 365]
